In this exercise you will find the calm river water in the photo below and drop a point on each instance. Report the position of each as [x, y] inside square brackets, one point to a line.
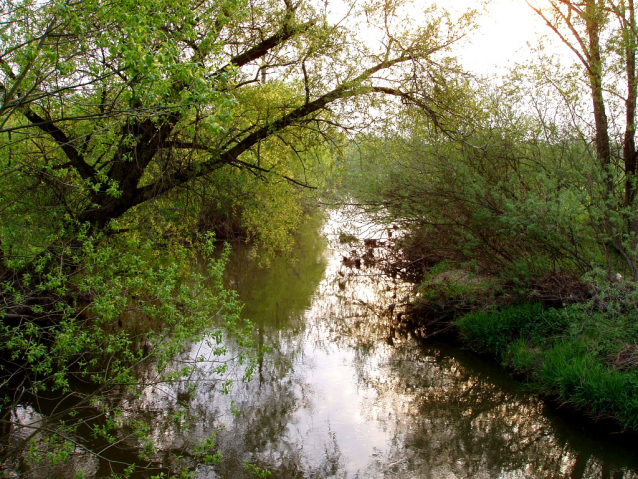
[343, 394]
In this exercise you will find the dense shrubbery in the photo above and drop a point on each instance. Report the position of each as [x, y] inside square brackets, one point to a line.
[507, 200]
[78, 345]
[513, 200]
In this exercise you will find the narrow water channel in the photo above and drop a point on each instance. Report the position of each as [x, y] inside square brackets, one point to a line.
[341, 393]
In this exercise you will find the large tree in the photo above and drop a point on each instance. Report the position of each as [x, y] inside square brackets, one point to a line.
[603, 36]
[107, 105]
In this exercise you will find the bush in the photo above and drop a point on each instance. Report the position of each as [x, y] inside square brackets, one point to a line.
[86, 341]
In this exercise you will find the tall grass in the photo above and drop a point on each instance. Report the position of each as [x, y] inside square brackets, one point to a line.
[563, 352]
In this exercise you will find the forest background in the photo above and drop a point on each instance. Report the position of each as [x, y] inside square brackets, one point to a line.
[131, 132]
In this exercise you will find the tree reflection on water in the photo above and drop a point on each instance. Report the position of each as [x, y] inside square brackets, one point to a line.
[344, 393]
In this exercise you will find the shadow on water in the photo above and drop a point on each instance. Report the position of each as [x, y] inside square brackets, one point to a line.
[343, 393]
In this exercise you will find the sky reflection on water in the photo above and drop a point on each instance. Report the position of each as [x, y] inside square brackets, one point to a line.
[343, 393]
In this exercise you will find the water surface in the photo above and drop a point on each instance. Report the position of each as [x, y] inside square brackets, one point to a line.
[343, 393]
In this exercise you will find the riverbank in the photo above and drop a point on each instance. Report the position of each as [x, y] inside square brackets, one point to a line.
[579, 349]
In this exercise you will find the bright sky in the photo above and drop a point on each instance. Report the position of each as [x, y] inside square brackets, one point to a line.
[502, 37]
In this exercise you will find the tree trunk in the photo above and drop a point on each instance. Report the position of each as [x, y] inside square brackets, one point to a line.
[629, 146]
[595, 66]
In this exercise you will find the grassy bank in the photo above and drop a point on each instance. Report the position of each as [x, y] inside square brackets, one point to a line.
[586, 359]
[583, 354]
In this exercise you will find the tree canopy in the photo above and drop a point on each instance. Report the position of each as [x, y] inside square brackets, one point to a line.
[111, 108]
[602, 36]
[107, 105]
[128, 128]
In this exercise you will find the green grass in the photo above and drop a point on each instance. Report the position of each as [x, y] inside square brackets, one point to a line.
[564, 352]
[493, 331]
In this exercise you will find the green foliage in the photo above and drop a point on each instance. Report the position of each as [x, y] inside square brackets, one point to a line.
[120, 320]
[111, 105]
[502, 188]
[257, 471]
[265, 213]
[581, 354]
[444, 280]
[601, 35]
[518, 178]
[492, 331]
[571, 372]
[127, 130]
[206, 453]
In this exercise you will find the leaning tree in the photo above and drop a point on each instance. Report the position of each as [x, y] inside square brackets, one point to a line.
[106, 105]
[109, 106]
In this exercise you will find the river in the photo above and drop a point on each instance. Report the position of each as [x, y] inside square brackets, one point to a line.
[343, 393]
